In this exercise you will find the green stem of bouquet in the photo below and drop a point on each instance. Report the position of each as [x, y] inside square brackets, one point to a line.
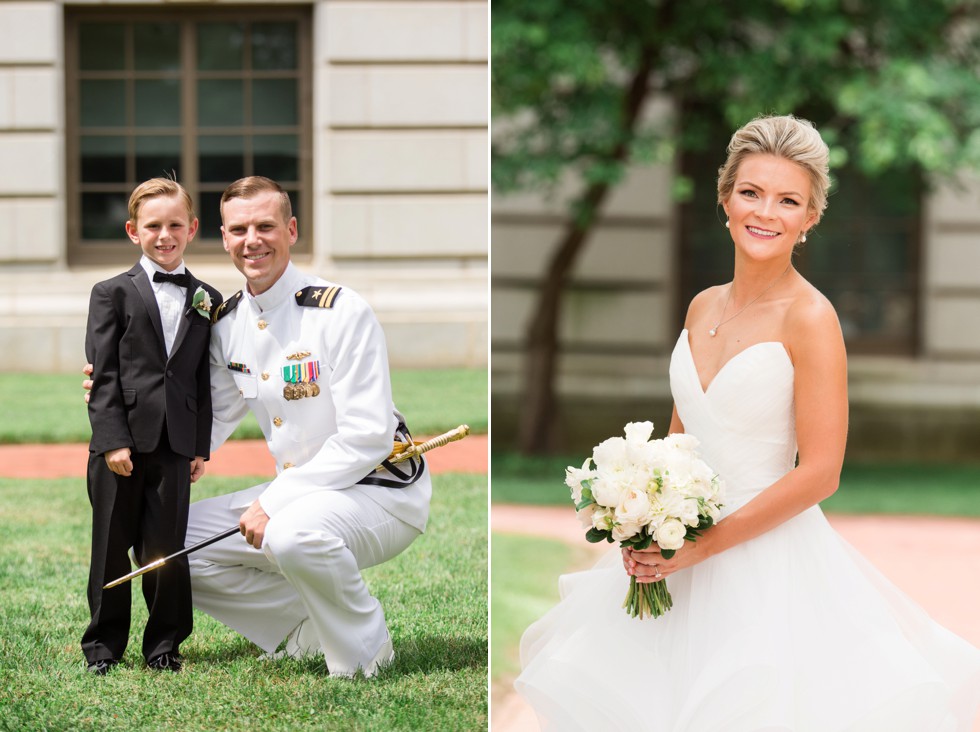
[644, 599]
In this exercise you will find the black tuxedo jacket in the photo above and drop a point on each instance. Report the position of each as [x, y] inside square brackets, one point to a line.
[135, 385]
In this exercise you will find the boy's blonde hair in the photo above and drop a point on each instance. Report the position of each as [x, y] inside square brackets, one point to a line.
[787, 137]
[158, 187]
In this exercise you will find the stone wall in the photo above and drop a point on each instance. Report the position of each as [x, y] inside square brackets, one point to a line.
[400, 113]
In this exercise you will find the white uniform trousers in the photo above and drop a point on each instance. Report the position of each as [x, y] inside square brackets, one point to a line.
[307, 572]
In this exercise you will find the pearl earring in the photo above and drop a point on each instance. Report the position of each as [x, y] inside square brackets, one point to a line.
[727, 224]
[803, 238]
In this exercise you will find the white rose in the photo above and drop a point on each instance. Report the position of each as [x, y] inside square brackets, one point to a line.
[671, 502]
[610, 454]
[655, 514]
[691, 513]
[602, 518]
[625, 530]
[650, 455]
[682, 441]
[679, 472]
[638, 431]
[575, 476]
[609, 490]
[671, 534]
[584, 516]
[634, 508]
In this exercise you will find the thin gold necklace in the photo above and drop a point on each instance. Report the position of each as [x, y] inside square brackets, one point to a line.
[714, 331]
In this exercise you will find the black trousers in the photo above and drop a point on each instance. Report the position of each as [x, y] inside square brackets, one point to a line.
[146, 511]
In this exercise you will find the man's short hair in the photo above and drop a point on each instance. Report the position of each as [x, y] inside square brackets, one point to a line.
[253, 185]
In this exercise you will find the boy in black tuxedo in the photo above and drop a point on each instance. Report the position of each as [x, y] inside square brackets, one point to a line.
[148, 335]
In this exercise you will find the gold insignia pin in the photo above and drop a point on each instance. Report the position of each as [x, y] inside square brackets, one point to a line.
[298, 355]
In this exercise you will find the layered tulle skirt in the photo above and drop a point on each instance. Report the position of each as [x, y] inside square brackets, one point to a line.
[793, 630]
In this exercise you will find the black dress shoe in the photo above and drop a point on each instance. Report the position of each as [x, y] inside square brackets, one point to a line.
[102, 666]
[165, 662]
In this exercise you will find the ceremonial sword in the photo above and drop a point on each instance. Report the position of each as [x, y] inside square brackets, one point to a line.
[400, 452]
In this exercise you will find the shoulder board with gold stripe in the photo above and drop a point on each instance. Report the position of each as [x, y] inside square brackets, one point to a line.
[226, 307]
[317, 296]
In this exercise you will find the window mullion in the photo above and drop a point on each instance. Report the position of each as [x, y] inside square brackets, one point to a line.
[188, 135]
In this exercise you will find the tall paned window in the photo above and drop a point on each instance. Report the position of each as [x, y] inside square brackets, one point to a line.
[864, 254]
[200, 95]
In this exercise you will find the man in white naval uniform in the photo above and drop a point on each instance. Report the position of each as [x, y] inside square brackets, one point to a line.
[308, 358]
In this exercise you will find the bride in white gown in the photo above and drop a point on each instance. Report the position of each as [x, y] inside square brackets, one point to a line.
[777, 623]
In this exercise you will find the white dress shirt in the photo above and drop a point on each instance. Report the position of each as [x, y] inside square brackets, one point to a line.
[170, 299]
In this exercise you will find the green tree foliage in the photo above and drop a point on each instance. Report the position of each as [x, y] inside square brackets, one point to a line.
[890, 85]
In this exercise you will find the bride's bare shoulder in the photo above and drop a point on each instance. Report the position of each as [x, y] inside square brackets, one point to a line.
[703, 302]
[811, 316]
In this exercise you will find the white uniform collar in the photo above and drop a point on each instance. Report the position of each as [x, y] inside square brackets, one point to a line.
[284, 288]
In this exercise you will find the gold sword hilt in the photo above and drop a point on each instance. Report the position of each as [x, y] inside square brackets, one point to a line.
[404, 450]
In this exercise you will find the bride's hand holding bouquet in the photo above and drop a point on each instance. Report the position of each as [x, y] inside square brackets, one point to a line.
[645, 493]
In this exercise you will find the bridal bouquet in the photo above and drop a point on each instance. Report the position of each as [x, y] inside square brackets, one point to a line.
[637, 491]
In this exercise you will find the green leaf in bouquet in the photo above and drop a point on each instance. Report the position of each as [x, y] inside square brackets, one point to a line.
[595, 535]
[583, 503]
[642, 542]
[668, 553]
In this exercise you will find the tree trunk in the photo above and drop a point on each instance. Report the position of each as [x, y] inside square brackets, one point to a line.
[536, 421]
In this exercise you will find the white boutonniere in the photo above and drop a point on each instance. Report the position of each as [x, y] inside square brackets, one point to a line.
[201, 302]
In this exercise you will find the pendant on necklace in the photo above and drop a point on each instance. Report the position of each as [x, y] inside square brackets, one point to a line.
[713, 332]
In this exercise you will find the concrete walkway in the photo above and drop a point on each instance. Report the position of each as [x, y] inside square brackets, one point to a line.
[943, 576]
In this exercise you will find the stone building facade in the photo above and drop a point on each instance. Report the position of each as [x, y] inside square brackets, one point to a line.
[375, 111]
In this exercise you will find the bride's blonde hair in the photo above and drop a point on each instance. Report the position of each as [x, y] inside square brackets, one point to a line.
[788, 137]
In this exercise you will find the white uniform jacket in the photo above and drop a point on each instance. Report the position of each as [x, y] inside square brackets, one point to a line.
[331, 441]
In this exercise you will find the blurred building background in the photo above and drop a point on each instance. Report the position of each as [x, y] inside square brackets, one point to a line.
[898, 251]
[372, 114]
[901, 266]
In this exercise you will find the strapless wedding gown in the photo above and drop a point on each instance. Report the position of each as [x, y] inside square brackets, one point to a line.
[791, 631]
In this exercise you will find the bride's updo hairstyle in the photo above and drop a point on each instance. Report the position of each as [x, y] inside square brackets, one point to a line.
[788, 137]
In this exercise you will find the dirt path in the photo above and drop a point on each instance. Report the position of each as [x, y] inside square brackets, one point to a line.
[234, 458]
[942, 577]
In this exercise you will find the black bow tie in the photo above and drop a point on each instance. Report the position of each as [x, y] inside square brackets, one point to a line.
[184, 280]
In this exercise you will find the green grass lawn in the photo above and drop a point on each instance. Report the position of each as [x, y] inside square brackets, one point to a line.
[887, 488]
[434, 595]
[49, 407]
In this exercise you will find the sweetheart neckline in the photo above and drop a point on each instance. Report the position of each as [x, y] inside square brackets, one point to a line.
[685, 334]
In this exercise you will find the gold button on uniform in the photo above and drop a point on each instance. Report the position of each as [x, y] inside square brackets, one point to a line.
[265, 376]
[262, 325]
[286, 465]
[277, 421]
